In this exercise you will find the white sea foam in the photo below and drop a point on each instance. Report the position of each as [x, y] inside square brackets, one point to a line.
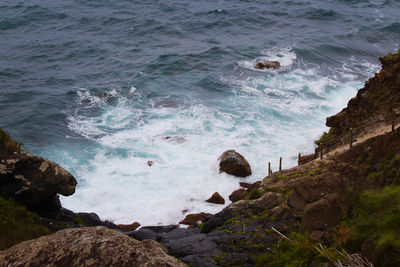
[266, 117]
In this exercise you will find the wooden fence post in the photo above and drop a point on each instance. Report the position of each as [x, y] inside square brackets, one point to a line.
[351, 137]
[269, 168]
[280, 164]
[320, 150]
[298, 159]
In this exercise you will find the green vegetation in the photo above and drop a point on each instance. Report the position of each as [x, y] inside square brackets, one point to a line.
[295, 251]
[376, 217]
[254, 193]
[326, 137]
[388, 170]
[391, 59]
[5, 139]
[18, 224]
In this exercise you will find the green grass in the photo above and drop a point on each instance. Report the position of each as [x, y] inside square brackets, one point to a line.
[377, 217]
[388, 170]
[17, 224]
[326, 137]
[5, 139]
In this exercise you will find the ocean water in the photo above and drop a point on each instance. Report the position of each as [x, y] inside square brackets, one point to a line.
[97, 86]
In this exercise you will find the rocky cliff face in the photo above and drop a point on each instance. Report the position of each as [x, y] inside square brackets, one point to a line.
[378, 101]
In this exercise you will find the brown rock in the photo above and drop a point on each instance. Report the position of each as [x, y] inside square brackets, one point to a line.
[129, 227]
[268, 65]
[233, 163]
[316, 235]
[90, 246]
[150, 163]
[237, 195]
[250, 186]
[216, 199]
[307, 158]
[192, 219]
[322, 214]
[245, 185]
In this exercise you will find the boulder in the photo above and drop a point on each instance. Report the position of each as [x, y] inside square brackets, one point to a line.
[321, 214]
[233, 163]
[129, 227]
[33, 180]
[89, 246]
[90, 218]
[216, 198]
[268, 65]
[237, 195]
[192, 219]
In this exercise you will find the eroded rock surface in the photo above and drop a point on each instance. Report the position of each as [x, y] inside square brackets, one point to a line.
[92, 246]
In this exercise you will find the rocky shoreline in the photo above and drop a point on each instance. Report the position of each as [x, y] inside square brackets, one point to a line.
[315, 214]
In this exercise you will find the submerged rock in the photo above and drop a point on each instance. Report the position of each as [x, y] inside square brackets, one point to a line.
[91, 246]
[268, 65]
[216, 198]
[234, 163]
[176, 139]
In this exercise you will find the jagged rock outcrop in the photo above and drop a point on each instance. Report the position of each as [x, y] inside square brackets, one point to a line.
[374, 106]
[234, 163]
[92, 246]
[378, 101]
[33, 180]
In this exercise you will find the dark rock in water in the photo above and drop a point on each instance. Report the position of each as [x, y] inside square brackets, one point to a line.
[150, 163]
[216, 199]
[162, 228]
[33, 180]
[143, 234]
[235, 164]
[129, 227]
[268, 65]
[237, 195]
[90, 219]
[89, 246]
[166, 104]
[192, 219]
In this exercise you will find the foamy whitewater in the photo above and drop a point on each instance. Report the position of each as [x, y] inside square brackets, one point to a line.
[276, 114]
[103, 88]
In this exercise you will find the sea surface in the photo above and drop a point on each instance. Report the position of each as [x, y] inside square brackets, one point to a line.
[97, 86]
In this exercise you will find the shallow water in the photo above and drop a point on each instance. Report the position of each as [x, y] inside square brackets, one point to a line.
[97, 86]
